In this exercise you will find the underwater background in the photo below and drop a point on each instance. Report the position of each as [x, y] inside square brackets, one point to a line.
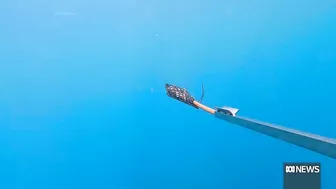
[83, 105]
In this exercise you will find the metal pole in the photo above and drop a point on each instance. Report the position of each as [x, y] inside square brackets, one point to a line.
[319, 144]
[316, 143]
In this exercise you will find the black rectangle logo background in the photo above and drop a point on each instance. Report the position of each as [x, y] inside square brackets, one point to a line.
[301, 180]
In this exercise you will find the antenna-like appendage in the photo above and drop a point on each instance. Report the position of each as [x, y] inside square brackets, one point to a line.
[200, 100]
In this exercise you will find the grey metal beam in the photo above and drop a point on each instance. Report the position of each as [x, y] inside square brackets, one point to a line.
[316, 143]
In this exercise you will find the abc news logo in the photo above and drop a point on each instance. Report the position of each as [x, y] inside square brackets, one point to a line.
[303, 169]
[302, 175]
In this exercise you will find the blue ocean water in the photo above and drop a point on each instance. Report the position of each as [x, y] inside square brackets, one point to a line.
[82, 100]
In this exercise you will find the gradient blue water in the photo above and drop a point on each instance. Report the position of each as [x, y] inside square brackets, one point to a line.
[82, 103]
